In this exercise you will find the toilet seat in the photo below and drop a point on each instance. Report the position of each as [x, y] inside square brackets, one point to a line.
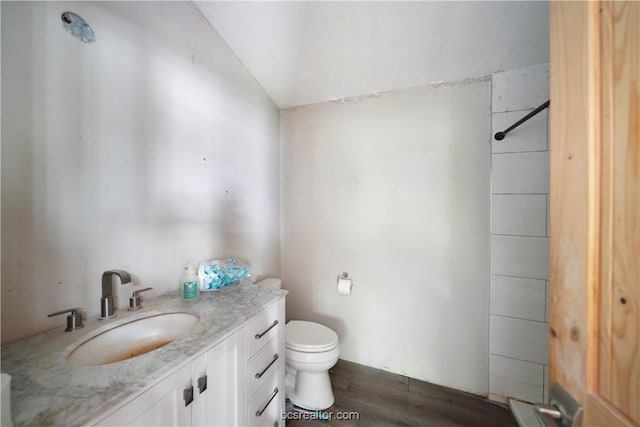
[309, 337]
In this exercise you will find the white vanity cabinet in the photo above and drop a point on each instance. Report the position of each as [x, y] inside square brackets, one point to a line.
[207, 391]
[265, 367]
[237, 382]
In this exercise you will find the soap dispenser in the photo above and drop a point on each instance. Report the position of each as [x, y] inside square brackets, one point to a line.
[189, 288]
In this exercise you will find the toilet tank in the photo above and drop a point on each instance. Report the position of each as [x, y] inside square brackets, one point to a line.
[270, 282]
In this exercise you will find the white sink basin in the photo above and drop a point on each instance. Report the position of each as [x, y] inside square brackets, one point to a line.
[132, 339]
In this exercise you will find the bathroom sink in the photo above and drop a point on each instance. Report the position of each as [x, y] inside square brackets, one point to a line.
[132, 339]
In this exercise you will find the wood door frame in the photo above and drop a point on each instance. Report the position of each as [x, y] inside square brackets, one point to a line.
[569, 163]
[582, 137]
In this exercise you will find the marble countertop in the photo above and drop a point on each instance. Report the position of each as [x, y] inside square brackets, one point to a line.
[47, 391]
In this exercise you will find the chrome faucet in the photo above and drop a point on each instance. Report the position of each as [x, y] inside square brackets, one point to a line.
[106, 302]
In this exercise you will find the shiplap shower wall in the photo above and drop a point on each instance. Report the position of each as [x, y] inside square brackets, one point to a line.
[518, 328]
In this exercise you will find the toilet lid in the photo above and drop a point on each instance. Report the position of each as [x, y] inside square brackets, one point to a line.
[309, 337]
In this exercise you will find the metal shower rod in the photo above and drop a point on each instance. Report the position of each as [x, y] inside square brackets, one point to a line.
[499, 136]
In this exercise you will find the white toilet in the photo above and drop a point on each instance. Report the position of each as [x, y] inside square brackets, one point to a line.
[311, 350]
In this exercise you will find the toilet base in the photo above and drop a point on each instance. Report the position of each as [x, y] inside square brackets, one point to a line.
[309, 390]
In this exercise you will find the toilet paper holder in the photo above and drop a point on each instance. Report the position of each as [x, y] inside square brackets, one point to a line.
[344, 284]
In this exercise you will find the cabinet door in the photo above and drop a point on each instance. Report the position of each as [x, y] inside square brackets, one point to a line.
[162, 405]
[220, 401]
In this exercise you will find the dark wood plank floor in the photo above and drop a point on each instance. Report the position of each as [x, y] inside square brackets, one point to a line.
[384, 399]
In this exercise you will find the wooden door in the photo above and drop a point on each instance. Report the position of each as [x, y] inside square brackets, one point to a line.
[595, 208]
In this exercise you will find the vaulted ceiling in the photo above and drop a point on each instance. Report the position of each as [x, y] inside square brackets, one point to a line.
[309, 52]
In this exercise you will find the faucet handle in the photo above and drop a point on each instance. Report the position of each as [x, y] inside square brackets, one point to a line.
[134, 301]
[136, 293]
[74, 319]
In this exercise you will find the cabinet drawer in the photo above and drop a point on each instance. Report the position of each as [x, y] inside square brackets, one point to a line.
[264, 407]
[263, 364]
[263, 328]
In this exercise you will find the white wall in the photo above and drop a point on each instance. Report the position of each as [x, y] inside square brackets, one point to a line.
[519, 329]
[326, 50]
[147, 149]
[393, 190]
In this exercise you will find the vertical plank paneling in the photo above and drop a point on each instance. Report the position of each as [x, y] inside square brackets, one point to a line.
[606, 226]
[620, 252]
[569, 132]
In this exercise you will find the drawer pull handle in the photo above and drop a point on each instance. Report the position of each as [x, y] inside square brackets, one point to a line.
[259, 412]
[202, 383]
[273, 325]
[260, 374]
[276, 423]
[187, 395]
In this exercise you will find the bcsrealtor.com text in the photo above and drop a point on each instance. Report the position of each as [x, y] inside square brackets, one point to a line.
[320, 415]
